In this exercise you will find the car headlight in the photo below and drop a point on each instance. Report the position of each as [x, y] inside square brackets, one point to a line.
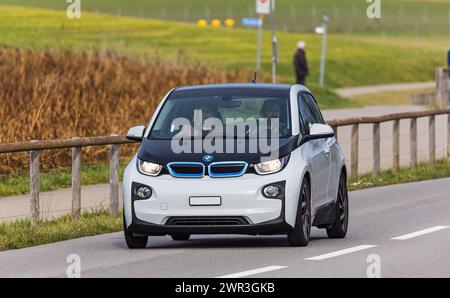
[271, 166]
[149, 168]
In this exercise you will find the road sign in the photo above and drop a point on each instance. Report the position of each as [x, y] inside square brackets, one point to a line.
[251, 22]
[263, 6]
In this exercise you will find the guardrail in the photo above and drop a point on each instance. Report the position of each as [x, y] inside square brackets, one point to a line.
[114, 141]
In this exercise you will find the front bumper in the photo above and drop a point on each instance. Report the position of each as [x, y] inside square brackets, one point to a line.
[277, 226]
[240, 196]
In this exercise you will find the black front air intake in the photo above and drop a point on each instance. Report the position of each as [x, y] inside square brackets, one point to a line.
[227, 169]
[186, 169]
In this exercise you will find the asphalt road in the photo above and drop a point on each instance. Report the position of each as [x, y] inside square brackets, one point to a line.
[404, 228]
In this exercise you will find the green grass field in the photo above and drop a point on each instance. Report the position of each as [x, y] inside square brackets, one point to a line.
[351, 61]
[405, 17]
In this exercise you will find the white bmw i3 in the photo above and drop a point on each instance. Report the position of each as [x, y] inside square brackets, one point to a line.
[255, 159]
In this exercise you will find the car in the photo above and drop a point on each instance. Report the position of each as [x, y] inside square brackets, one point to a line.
[263, 162]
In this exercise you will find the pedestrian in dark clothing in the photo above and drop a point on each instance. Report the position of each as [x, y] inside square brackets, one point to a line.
[300, 63]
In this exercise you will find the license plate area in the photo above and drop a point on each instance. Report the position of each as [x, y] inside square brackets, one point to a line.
[205, 201]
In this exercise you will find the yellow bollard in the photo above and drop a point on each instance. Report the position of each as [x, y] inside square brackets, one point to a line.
[229, 23]
[215, 23]
[202, 23]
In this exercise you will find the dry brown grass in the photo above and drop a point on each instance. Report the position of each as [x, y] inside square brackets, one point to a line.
[50, 95]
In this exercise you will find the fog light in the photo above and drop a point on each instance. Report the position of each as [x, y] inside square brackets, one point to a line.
[143, 192]
[271, 191]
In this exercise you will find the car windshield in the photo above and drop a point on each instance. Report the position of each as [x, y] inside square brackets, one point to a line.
[226, 112]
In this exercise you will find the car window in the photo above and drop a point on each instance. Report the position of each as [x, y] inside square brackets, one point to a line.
[307, 117]
[231, 108]
[314, 108]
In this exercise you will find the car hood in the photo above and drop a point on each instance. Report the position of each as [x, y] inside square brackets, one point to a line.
[160, 152]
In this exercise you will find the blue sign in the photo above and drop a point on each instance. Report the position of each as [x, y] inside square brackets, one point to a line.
[251, 22]
[448, 61]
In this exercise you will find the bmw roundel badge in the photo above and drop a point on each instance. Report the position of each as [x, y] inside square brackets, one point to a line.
[207, 158]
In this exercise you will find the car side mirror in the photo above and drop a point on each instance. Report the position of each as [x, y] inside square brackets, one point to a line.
[317, 131]
[136, 133]
[321, 131]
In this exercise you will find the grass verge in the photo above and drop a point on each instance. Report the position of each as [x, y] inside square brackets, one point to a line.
[56, 179]
[21, 234]
[424, 171]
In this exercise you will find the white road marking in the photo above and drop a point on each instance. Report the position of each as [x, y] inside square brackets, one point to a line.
[252, 272]
[340, 252]
[420, 233]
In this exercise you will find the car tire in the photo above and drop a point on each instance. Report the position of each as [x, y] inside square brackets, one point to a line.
[340, 225]
[299, 236]
[181, 236]
[133, 242]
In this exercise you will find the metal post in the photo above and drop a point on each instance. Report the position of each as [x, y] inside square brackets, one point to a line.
[34, 186]
[259, 50]
[274, 44]
[114, 179]
[76, 183]
[325, 20]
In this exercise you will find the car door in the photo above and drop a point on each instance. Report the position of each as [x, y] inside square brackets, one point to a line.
[315, 152]
[330, 149]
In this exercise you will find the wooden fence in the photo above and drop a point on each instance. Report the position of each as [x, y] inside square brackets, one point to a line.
[114, 141]
[34, 147]
[376, 121]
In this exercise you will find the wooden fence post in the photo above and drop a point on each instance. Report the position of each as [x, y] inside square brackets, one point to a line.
[114, 179]
[335, 129]
[76, 183]
[413, 144]
[432, 139]
[448, 136]
[441, 87]
[34, 187]
[396, 146]
[376, 149]
[354, 151]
